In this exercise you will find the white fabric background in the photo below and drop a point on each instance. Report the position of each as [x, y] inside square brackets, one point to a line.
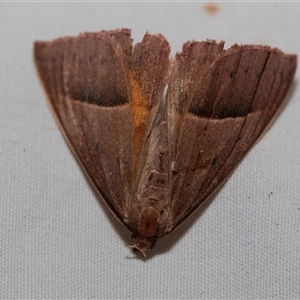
[59, 241]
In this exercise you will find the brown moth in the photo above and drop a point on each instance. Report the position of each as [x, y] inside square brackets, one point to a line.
[152, 161]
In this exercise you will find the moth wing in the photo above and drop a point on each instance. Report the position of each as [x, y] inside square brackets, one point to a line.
[224, 102]
[94, 88]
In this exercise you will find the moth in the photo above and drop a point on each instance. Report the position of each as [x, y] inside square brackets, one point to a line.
[155, 159]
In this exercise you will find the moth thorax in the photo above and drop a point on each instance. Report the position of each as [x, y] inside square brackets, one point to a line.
[148, 222]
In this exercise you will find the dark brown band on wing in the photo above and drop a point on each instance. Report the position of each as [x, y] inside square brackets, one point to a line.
[228, 87]
[94, 67]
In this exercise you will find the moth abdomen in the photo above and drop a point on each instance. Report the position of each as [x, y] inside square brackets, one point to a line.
[145, 236]
[149, 221]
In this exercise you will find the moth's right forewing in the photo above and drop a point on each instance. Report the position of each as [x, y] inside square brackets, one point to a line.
[215, 122]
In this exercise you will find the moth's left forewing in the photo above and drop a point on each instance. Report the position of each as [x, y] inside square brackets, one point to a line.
[105, 94]
[235, 99]
[86, 79]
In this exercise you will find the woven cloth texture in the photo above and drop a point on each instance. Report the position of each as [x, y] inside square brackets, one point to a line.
[59, 241]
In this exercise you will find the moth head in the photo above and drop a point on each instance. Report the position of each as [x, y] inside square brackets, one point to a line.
[142, 244]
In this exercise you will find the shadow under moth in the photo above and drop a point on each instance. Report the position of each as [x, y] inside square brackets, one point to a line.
[155, 159]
